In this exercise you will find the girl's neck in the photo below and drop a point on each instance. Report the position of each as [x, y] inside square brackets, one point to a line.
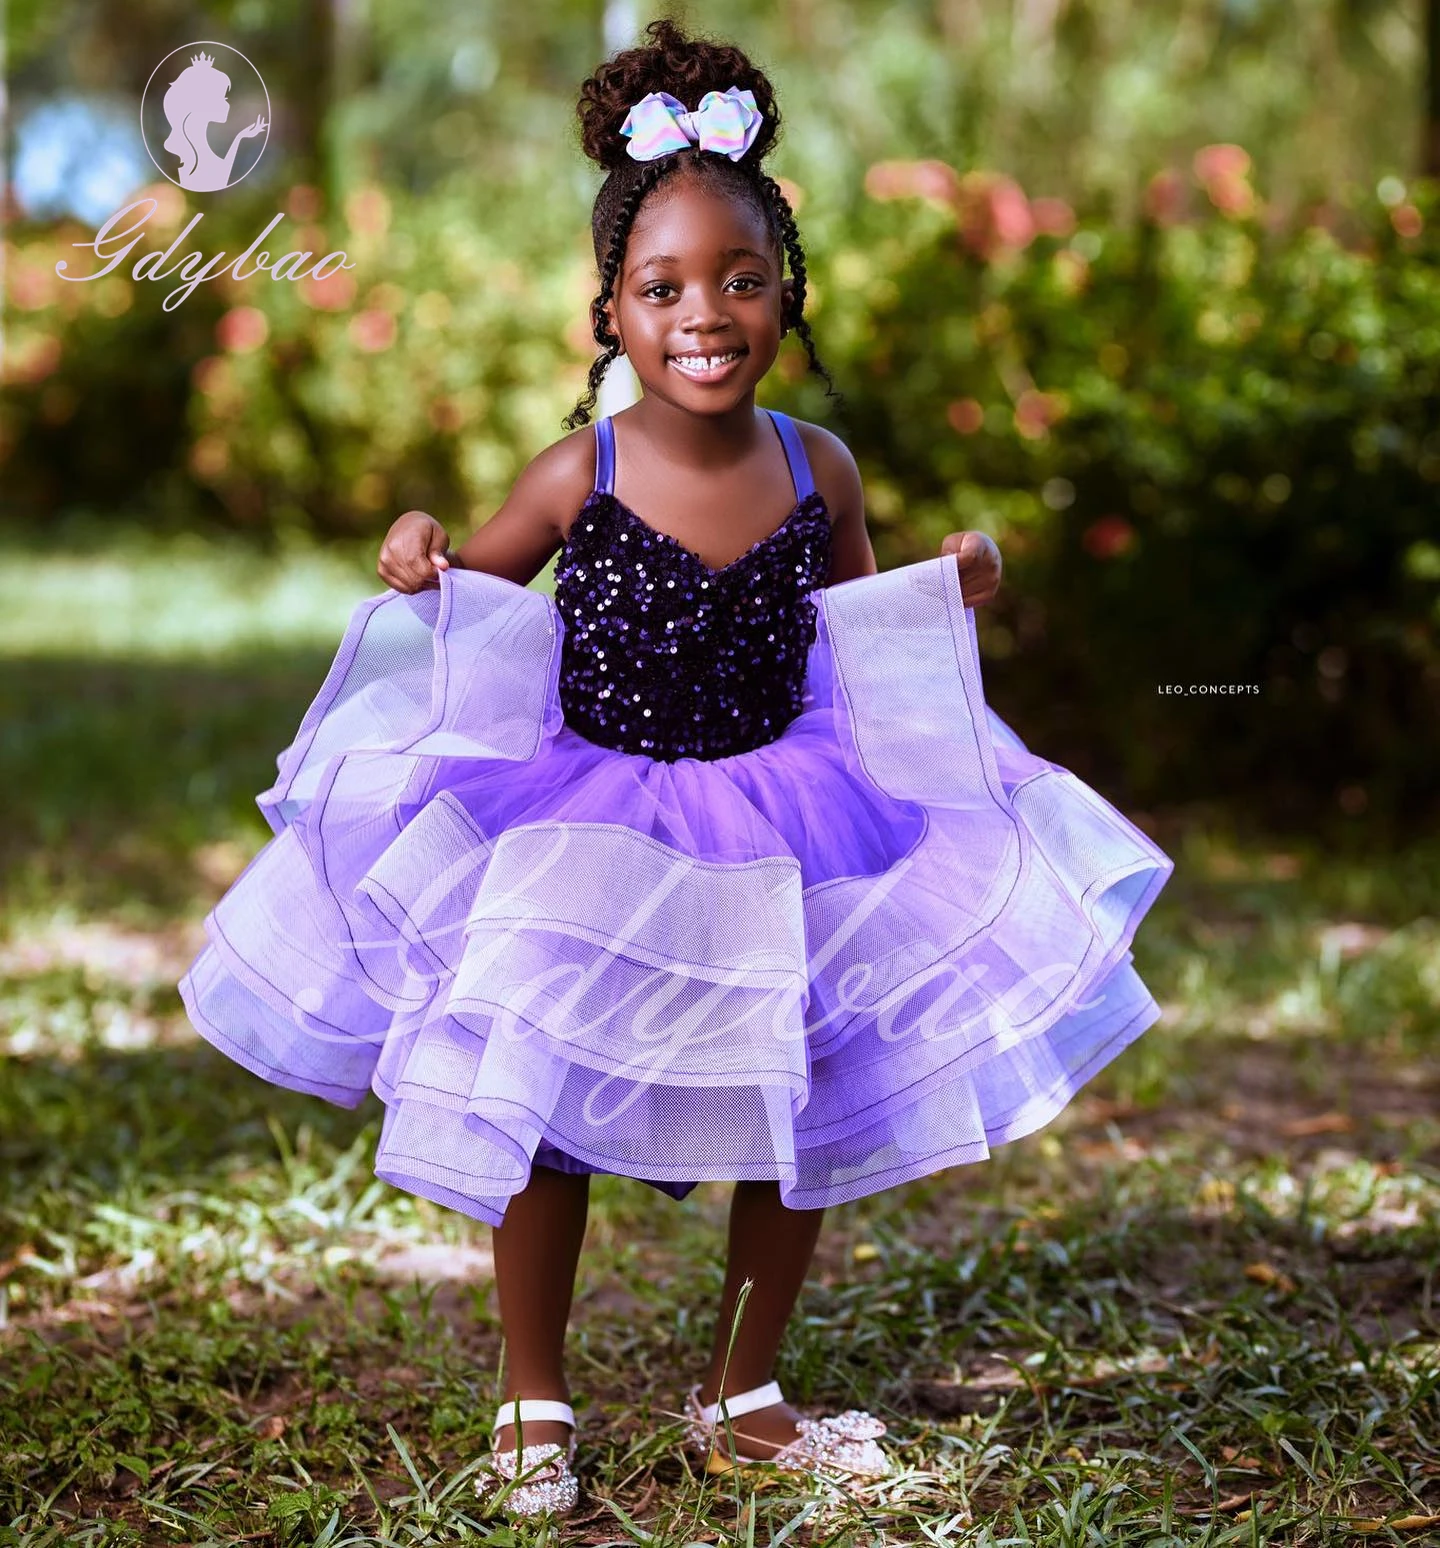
[702, 442]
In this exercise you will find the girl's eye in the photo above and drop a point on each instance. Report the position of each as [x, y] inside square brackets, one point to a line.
[653, 291]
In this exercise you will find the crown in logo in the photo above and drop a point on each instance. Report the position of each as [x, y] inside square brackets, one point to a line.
[203, 59]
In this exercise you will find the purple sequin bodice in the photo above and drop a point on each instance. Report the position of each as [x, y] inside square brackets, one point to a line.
[665, 656]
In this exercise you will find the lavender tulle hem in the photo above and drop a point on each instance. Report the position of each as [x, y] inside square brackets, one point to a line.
[865, 952]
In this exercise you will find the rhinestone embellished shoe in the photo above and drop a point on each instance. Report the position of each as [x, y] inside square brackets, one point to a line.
[840, 1448]
[546, 1486]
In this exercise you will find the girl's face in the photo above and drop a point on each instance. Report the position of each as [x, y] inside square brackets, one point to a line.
[701, 277]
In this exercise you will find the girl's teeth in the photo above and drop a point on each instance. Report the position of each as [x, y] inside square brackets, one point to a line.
[701, 366]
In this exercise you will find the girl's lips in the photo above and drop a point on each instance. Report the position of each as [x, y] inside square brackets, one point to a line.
[710, 373]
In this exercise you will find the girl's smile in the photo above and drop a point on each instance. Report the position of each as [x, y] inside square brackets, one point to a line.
[709, 367]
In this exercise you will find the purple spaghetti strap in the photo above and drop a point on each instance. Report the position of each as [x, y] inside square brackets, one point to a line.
[794, 454]
[604, 456]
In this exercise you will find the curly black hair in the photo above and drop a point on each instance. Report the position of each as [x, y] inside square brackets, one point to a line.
[687, 68]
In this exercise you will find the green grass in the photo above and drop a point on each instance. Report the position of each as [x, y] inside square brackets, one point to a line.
[1200, 1307]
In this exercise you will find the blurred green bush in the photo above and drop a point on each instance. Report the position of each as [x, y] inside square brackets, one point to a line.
[317, 406]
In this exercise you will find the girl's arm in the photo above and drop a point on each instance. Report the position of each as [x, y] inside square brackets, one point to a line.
[518, 540]
[838, 479]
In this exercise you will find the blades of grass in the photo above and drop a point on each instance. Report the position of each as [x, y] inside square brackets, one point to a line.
[1210, 1475]
[1299, 1461]
[400, 1446]
[794, 1523]
[740, 1300]
[638, 1533]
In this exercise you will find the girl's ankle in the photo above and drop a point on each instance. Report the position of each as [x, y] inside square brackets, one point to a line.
[537, 1431]
[710, 1388]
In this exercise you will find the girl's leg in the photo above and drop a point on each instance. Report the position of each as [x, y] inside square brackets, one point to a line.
[772, 1246]
[537, 1250]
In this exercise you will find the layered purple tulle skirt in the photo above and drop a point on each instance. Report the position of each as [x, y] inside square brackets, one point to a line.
[859, 954]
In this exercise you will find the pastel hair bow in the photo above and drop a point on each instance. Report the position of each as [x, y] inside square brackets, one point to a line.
[726, 122]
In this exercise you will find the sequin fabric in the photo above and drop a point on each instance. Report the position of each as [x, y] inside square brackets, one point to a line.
[547, 1487]
[841, 1447]
[667, 657]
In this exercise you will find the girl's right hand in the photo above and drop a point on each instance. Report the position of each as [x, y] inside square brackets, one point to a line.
[413, 553]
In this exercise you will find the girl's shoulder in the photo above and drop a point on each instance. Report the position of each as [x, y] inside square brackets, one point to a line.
[832, 466]
[570, 459]
[822, 444]
[562, 476]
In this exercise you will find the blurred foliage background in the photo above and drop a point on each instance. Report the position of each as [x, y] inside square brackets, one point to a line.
[1150, 294]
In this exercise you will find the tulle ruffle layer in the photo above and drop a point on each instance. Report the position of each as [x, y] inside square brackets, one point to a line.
[866, 951]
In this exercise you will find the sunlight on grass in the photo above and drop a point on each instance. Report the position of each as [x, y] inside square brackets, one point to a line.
[185, 598]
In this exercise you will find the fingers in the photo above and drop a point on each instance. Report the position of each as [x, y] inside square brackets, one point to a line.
[413, 553]
[977, 561]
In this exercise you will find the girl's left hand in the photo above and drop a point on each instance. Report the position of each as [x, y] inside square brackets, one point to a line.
[978, 560]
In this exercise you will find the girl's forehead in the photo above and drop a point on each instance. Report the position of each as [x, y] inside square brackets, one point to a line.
[695, 225]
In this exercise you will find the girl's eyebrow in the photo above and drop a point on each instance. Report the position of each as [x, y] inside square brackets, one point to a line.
[662, 260]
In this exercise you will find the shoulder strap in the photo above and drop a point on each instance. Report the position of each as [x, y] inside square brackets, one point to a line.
[604, 456]
[794, 454]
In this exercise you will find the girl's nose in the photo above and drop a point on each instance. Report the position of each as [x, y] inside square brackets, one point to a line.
[706, 314]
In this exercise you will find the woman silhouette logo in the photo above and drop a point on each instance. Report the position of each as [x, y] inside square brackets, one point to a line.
[196, 98]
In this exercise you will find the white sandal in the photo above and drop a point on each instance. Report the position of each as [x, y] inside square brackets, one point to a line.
[547, 1484]
[841, 1447]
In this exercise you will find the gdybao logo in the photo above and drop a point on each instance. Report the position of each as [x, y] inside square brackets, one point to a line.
[203, 139]
[188, 93]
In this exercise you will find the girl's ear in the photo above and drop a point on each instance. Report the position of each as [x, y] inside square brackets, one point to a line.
[602, 322]
[787, 306]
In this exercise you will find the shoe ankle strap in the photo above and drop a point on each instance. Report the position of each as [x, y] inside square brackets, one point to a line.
[740, 1403]
[534, 1408]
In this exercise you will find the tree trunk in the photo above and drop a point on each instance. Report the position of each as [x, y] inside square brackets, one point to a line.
[1430, 156]
[312, 94]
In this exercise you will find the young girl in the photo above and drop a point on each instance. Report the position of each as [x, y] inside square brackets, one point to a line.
[715, 867]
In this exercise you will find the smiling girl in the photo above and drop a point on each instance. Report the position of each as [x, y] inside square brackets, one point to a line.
[715, 867]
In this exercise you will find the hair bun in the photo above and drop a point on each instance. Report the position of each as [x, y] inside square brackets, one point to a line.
[685, 67]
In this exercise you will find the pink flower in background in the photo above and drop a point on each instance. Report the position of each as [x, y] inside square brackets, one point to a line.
[1109, 536]
[332, 294]
[1407, 220]
[966, 415]
[1036, 411]
[912, 180]
[32, 287]
[368, 211]
[1165, 198]
[304, 202]
[209, 457]
[936, 180]
[995, 215]
[1231, 196]
[213, 376]
[242, 329]
[372, 330]
[1217, 161]
[1224, 171]
[1053, 217]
